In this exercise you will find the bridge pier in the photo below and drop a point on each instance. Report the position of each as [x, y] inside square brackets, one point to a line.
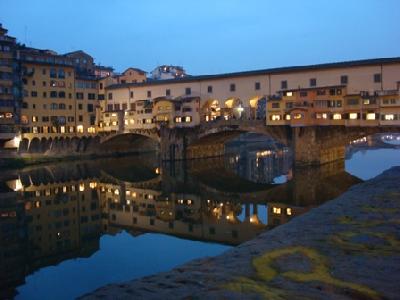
[314, 146]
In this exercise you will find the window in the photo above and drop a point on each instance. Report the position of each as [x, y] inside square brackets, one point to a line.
[209, 89]
[79, 96]
[168, 92]
[131, 94]
[33, 82]
[232, 87]
[313, 82]
[353, 102]
[275, 117]
[61, 106]
[80, 118]
[34, 119]
[337, 116]
[61, 73]
[284, 84]
[33, 94]
[297, 116]
[288, 94]
[344, 79]
[353, 116]
[148, 94]
[101, 85]
[44, 83]
[44, 94]
[275, 104]
[53, 73]
[257, 86]
[188, 91]
[43, 71]
[303, 94]
[61, 95]
[109, 96]
[91, 96]
[389, 117]
[53, 94]
[24, 105]
[80, 106]
[90, 107]
[371, 116]
[188, 119]
[377, 78]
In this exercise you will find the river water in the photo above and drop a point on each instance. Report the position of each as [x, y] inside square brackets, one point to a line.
[69, 228]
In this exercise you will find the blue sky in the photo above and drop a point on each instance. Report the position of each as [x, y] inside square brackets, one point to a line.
[209, 36]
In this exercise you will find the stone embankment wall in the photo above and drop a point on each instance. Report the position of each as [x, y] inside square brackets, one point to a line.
[348, 248]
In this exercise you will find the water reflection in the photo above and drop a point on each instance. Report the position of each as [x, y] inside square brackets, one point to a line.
[54, 213]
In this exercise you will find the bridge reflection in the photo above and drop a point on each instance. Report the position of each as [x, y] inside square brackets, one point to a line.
[53, 213]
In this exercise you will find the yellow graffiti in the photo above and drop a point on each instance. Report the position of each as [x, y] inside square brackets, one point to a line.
[391, 243]
[266, 272]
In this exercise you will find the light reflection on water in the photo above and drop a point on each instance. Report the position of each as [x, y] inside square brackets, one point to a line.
[125, 220]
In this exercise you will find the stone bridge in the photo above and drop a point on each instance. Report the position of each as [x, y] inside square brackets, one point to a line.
[311, 145]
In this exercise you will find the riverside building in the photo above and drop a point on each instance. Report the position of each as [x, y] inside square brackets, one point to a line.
[47, 95]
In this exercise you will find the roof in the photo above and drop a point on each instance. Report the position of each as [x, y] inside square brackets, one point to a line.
[79, 52]
[281, 70]
[135, 69]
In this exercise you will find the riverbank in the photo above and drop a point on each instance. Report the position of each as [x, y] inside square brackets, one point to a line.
[18, 162]
[348, 248]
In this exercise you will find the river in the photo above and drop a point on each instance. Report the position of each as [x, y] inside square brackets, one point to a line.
[69, 228]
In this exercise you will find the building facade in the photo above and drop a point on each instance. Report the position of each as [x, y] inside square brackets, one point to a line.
[10, 86]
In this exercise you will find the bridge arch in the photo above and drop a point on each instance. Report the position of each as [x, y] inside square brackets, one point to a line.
[141, 141]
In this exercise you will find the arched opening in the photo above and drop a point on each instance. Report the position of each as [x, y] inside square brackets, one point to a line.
[130, 143]
[211, 110]
[34, 145]
[234, 109]
[258, 107]
[23, 145]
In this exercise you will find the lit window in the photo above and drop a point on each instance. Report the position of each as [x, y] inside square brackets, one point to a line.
[34, 129]
[188, 119]
[93, 185]
[126, 122]
[276, 210]
[178, 119]
[275, 117]
[132, 121]
[297, 116]
[353, 116]
[149, 121]
[81, 187]
[337, 116]
[79, 128]
[371, 116]
[287, 117]
[62, 129]
[321, 116]
[288, 211]
[34, 119]
[389, 117]
[289, 94]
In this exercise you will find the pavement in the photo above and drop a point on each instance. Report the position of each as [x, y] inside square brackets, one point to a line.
[348, 248]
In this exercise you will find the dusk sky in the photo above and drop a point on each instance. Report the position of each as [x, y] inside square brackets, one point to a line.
[208, 36]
